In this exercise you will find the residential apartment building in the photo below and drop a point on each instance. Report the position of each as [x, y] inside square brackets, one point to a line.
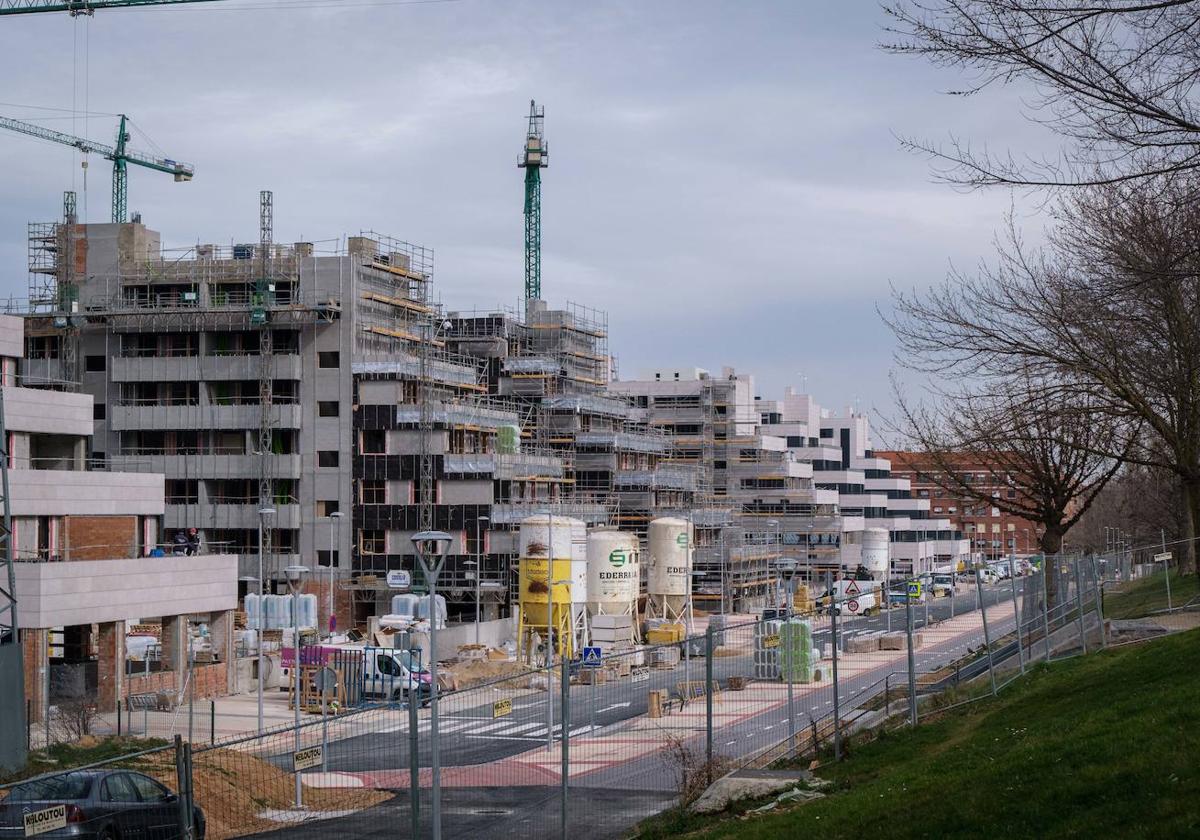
[83, 539]
[992, 532]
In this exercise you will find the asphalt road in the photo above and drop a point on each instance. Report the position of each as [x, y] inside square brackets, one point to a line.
[470, 736]
[617, 795]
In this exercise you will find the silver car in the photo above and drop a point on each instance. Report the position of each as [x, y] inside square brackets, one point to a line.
[95, 805]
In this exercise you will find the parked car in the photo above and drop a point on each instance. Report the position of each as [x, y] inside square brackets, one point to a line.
[97, 805]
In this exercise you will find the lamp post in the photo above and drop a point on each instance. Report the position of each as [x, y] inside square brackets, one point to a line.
[295, 581]
[564, 715]
[431, 549]
[335, 521]
[263, 513]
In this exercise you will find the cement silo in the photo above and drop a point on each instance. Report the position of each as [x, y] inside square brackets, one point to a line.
[875, 552]
[614, 573]
[669, 570]
[546, 557]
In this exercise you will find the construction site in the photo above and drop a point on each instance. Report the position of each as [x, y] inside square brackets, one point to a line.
[309, 406]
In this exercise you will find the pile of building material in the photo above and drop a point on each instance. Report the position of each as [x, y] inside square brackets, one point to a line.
[863, 643]
[612, 632]
[766, 650]
[896, 641]
[664, 633]
[796, 651]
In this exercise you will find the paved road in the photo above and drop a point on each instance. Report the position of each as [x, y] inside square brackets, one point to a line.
[469, 735]
[615, 794]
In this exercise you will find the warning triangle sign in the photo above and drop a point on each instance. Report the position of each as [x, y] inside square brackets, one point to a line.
[852, 588]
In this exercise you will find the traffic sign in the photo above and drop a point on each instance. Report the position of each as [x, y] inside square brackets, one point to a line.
[852, 588]
[592, 657]
[852, 606]
[399, 579]
[914, 588]
[306, 759]
[501, 708]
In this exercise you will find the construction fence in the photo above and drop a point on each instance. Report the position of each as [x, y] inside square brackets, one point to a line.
[590, 747]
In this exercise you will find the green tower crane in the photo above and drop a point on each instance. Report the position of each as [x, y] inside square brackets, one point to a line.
[80, 7]
[118, 154]
[534, 158]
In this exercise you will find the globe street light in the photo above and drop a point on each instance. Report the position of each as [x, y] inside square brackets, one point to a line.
[295, 581]
[431, 547]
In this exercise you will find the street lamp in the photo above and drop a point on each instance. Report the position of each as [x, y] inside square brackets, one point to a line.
[335, 521]
[295, 581]
[263, 513]
[564, 715]
[431, 547]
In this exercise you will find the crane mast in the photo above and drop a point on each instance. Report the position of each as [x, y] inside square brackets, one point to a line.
[534, 158]
[81, 7]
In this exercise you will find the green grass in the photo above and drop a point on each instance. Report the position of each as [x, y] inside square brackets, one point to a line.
[1103, 746]
[1143, 597]
[65, 756]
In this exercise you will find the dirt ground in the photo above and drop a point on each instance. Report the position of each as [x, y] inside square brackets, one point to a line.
[233, 788]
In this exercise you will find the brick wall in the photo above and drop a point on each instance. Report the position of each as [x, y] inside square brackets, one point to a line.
[34, 657]
[211, 681]
[342, 600]
[110, 665]
[100, 537]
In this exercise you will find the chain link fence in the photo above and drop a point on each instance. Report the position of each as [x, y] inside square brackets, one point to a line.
[589, 747]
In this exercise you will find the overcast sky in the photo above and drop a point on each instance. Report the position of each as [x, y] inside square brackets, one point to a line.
[724, 180]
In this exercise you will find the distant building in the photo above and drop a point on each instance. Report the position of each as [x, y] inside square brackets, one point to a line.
[993, 534]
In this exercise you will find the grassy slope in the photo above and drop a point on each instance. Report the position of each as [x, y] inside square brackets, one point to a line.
[1142, 597]
[1106, 746]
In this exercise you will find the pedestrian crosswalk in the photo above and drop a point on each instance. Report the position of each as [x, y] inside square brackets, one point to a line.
[472, 727]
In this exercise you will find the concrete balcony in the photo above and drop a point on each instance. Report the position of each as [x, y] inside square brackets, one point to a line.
[206, 466]
[72, 493]
[99, 591]
[47, 412]
[200, 368]
[221, 417]
[243, 516]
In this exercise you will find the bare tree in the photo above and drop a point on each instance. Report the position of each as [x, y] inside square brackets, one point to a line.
[1108, 312]
[1115, 78]
[1144, 502]
[1047, 448]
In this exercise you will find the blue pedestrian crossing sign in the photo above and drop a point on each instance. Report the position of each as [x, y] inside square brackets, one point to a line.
[592, 657]
[914, 589]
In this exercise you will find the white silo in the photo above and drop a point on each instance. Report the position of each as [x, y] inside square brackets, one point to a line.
[614, 573]
[543, 607]
[669, 570]
[875, 552]
[579, 583]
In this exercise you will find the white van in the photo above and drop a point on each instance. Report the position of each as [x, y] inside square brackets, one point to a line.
[391, 673]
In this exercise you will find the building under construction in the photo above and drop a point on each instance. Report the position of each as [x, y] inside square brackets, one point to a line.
[312, 396]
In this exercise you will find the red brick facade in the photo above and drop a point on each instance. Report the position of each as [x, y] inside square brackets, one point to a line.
[992, 532]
